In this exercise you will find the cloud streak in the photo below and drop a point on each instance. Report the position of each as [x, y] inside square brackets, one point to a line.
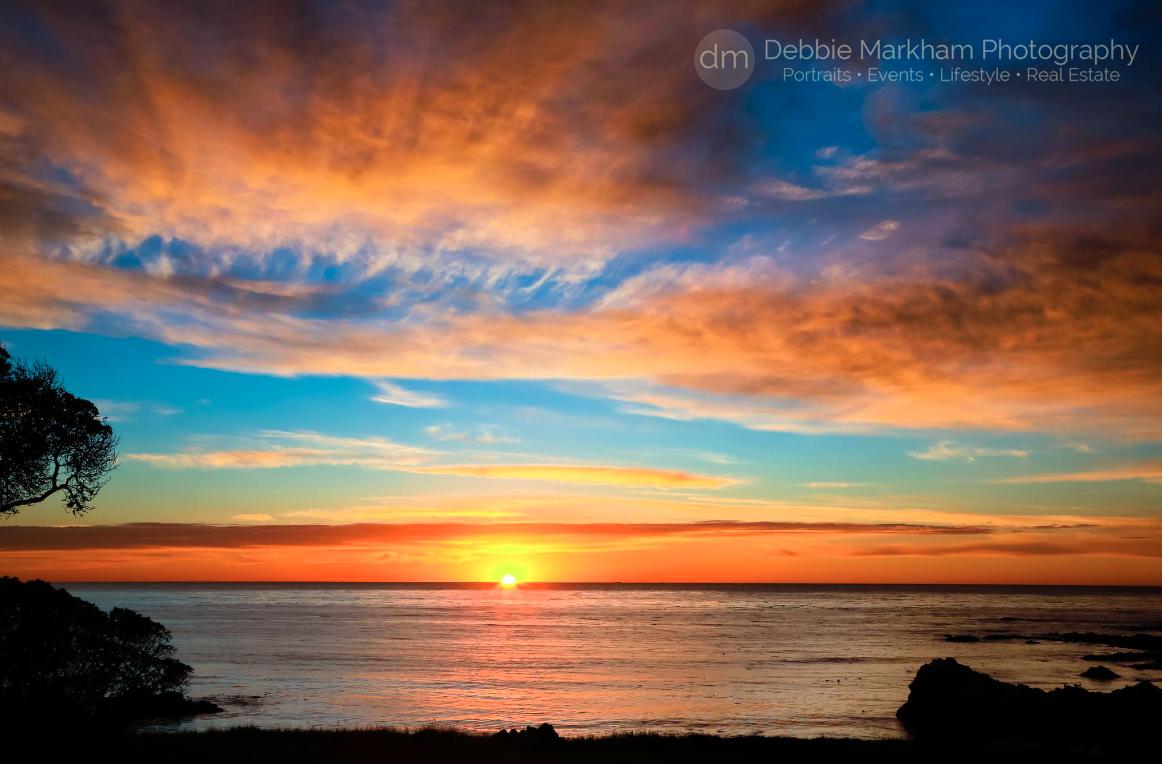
[632, 477]
[190, 535]
[279, 449]
[947, 450]
[717, 550]
[397, 396]
[1147, 471]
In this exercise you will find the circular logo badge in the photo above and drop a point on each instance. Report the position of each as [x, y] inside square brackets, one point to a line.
[724, 59]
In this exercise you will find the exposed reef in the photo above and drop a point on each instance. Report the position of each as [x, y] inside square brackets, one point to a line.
[948, 698]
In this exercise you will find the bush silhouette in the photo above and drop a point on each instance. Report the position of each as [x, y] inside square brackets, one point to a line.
[61, 654]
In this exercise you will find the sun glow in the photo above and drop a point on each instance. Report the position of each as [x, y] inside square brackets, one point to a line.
[508, 580]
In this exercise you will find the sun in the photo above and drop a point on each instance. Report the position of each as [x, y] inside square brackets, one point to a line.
[508, 579]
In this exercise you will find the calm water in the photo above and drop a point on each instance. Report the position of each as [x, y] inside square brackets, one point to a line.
[793, 660]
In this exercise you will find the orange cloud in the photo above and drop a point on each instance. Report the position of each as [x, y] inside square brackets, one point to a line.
[899, 352]
[400, 123]
[468, 155]
[172, 535]
[753, 347]
[1149, 547]
[587, 475]
[1148, 471]
[278, 449]
[699, 551]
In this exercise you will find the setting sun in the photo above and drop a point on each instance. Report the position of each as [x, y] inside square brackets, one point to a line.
[508, 580]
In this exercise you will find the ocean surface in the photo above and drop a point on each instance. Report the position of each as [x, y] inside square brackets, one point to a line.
[788, 660]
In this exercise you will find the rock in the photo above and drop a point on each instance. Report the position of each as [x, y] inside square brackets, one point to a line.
[530, 734]
[1146, 642]
[1099, 672]
[1151, 665]
[950, 699]
[1151, 661]
[163, 705]
[1151, 626]
[946, 695]
[960, 638]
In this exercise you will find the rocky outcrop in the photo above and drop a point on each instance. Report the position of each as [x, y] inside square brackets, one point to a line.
[950, 699]
[136, 707]
[1148, 647]
[1100, 672]
[542, 734]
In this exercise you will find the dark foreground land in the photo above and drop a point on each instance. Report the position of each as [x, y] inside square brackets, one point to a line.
[389, 745]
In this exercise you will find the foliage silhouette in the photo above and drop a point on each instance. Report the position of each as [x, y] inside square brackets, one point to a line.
[51, 441]
[61, 654]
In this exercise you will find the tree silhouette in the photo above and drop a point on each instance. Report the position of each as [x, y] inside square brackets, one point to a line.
[51, 441]
[62, 653]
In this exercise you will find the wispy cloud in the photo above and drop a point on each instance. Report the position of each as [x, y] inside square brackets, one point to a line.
[947, 450]
[276, 449]
[881, 230]
[398, 396]
[714, 457]
[116, 411]
[120, 411]
[483, 434]
[900, 353]
[781, 189]
[585, 475]
[1141, 471]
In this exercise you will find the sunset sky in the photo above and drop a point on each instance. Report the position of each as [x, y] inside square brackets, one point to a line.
[443, 291]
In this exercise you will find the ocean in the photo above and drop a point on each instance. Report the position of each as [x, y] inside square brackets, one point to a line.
[597, 658]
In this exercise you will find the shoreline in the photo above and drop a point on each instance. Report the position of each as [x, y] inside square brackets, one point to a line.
[368, 744]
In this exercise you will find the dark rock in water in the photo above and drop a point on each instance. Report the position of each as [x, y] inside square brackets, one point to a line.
[1151, 626]
[949, 698]
[1031, 642]
[1152, 665]
[1147, 642]
[1001, 637]
[1115, 657]
[542, 734]
[960, 638]
[1099, 672]
[1149, 661]
[1008, 618]
[946, 695]
[162, 705]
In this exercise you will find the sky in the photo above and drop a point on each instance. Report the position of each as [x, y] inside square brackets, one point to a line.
[427, 291]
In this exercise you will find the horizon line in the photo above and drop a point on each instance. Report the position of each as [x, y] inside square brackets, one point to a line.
[620, 583]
